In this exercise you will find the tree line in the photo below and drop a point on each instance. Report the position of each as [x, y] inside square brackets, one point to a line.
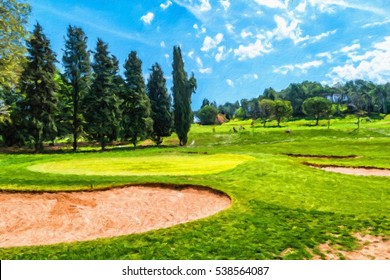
[311, 99]
[89, 98]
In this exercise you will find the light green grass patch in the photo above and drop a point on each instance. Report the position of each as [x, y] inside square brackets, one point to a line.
[145, 166]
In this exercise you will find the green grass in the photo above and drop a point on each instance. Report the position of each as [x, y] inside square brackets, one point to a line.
[278, 203]
[176, 165]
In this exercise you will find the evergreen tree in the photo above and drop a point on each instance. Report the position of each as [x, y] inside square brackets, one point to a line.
[136, 121]
[39, 87]
[77, 72]
[182, 90]
[160, 104]
[102, 104]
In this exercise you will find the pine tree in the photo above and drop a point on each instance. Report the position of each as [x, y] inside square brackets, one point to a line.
[137, 123]
[77, 72]
[102, 104]
[160, 104]
[38, 85]
[182, 90]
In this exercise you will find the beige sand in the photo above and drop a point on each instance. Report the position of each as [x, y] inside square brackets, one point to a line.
[358, 171]
[371, 248]
[48, 218]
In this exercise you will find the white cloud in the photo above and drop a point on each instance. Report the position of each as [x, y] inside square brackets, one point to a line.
[304, 66]
[206, 70]
[201, 30]
[245, 34]
[199, 62]
[229, 27]
[329, 6]
[373, 65]
[225, 4]
[166, 5]
[288, 30]
[222, 53]
[191, 54]
[379, 23]
[162, 44]
[271, 3]
[252, 50]
[204, 6]
[211, 43]
[148, 18]
[230, 82]
[323, 35]
[251, 77]
[348, 49]
[301, 7]
[284, 69]
[327, 55]
[301, 66]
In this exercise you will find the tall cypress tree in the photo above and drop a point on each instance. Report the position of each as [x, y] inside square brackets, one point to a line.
[77, 72]
[182, 90]
[137, 123]
[102, 104]
[38, 85]
[160, 104]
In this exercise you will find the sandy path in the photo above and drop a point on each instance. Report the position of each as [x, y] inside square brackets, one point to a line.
[48, 218]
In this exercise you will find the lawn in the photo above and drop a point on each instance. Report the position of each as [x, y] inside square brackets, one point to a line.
[281, 208]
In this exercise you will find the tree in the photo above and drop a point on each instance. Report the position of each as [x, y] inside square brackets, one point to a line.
[267, 110]
[228, 109]
[205, 102]
[136, 120]
[269, 93]
[38, 85]
[317, 107]
[182, 90]
[160, 104]
[13, 18]
[78, 74]
[208, 115]
[102, 104]
[283, 110]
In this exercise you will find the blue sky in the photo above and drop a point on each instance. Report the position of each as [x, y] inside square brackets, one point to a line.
[237, 48]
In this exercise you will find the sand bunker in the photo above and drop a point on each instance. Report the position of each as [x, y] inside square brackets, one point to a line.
[371, 248]
[322, 156]
[359, 171]
[46, 218]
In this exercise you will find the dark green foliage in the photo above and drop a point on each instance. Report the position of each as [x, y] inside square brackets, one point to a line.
[136, 121]
[228, 109]
[269, 93]
[255, 110]
[317, 107]
[208, 115]
[13, 18]
[38, 86]
[63, 118]
[77, 72]
[283, 110]
[182, 90]
[267, 110]
[160, 102]
[102, 104]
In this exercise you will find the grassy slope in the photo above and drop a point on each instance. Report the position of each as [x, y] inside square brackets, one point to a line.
[278, 203]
